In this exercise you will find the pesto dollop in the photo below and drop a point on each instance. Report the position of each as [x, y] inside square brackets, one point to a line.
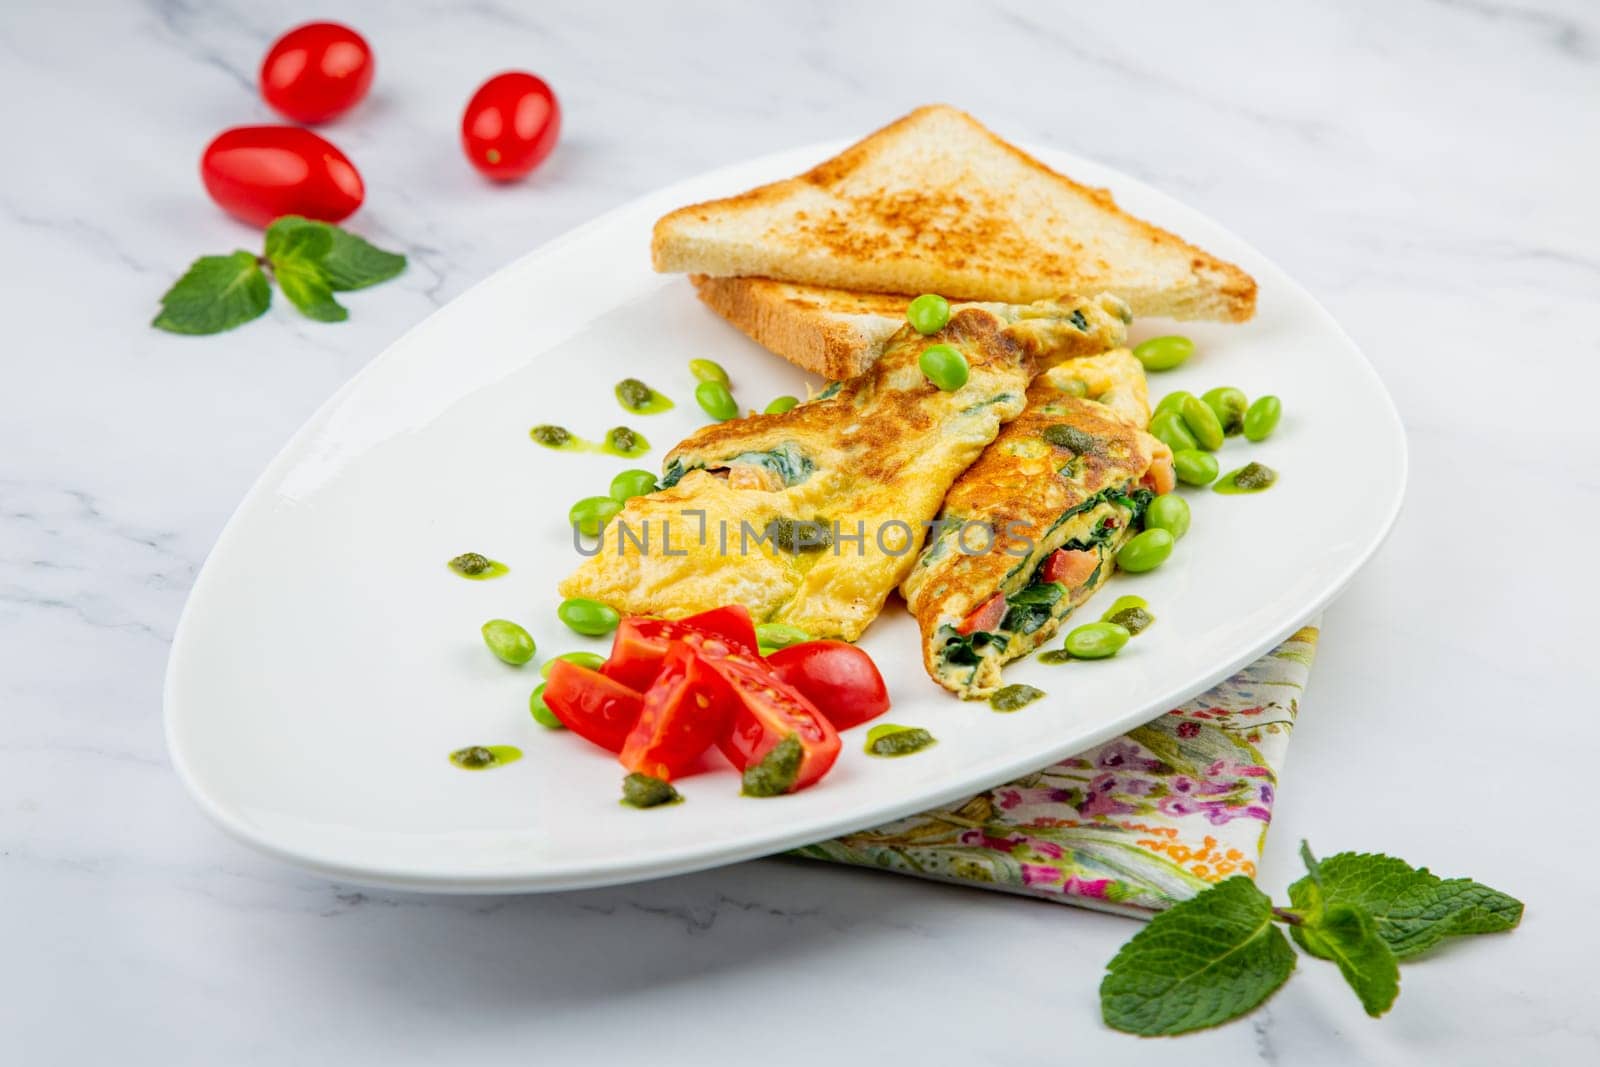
[795, 536]
[554, 436]
[485, 757]
[1013, 697]
[645, 791]
[638, 397]
[889, 739]
[477, 566]
[1132, 619]
[623, 441]
[1251, 478]
[1071, 437]
[1055, 655]
[777, 771]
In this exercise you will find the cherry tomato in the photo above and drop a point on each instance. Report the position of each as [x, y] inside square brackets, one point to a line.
[260, 173]
[684, 714]
[985, 616]
[510, 125]
[642, 643]
[316, 71]
[839, 678]
[763, 710]
[594, 707]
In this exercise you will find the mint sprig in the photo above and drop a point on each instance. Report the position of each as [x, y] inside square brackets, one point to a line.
[1217, 956]
[310, 260]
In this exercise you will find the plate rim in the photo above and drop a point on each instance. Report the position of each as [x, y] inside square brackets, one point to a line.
[590, 875]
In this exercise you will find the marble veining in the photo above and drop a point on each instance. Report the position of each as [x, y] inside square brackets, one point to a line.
[1424, 166]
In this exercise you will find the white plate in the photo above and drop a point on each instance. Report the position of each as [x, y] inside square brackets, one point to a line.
[327, 661]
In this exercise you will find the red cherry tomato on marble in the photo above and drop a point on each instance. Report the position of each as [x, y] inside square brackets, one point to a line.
[510, 125]
[316, 71]
[259, 173]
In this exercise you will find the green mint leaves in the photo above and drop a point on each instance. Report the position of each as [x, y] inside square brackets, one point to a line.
[1216, 957]
[310, 260]
[1198, 964]
[217, 293]
[1414, 909]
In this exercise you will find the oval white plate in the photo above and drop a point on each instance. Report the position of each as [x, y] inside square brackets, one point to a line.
[327, 661]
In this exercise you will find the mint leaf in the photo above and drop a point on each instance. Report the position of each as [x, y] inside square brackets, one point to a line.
[1413, 908]
[296, 254]
[1198, 964]
[217, 293]
[1349, 936]
[350, 261]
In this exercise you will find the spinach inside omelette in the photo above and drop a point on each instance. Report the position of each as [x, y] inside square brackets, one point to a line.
[812, 516]
[1032, 528]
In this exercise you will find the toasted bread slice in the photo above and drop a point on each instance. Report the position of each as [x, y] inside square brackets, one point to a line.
[838, 333]
[936, 203]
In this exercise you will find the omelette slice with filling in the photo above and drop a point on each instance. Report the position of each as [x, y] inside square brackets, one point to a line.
[812, 516]
[1032, 529]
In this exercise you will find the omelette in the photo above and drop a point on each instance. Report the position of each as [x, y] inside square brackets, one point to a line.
[1032, 528]
[812, 516]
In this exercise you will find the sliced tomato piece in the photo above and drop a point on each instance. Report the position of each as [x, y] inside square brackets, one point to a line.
[763, 711]
[594, 707]
[1070, 566]
[685, 712]
[837, 677]
[642, 642]
[985, 616]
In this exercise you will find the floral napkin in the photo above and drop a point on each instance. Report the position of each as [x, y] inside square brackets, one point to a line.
[1133, 826]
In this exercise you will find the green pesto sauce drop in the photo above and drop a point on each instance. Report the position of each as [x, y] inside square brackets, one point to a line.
[478, 567]
[1013, 697]
[889, 739]
[638, 397]
[1056, 655]
[1250, 478]
[621, 441]
[557, 437]
[776, 772]
[485, 757]
[1133, 619]
[644, 791]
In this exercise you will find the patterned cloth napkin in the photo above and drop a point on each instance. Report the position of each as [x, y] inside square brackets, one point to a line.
[1133, 826]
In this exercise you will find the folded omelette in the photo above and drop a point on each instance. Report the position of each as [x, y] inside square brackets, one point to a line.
[812, 516]
[1032, 528]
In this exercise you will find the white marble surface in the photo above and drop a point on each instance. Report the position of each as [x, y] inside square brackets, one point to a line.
[1426, 168]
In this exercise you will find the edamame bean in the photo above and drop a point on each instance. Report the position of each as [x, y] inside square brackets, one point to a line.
[1262, 418]
[1169, 428]
[1164, 353]
[708, 370]
[632, 483]
[592, 660]
[589, 617]
[1145, 551]
[928, 313]
[1202, 423]
[1230, 405]
[541, 711]
[945, 367]
[1169, 512]
[593, 512]
[716, 401]
[1171, 402]
[775, 635]
[1195, 467]
[510, 642]
[1096, 640]
[782, 404]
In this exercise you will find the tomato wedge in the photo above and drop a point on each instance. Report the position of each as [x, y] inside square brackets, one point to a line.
[685, 712]
[763, 711]
[642, 643]
[1070, 567]
[985, 616]
[837, 677]
[594, 707]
